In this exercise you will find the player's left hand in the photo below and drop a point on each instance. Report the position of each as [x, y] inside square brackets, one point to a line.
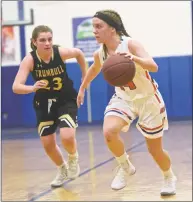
[80, 97]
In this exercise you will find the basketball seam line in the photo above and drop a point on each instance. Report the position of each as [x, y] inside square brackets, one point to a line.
[116, 64]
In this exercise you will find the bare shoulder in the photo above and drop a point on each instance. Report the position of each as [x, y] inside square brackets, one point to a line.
[137, 48]
[133, 43]
[28, 62]
[28, 57]
[62, 50]
[97, 63]
[96, 54]
[67, 53]
[67, 50]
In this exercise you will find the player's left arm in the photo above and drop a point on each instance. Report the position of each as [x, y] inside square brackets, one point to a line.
[68, 53]
[141, 56]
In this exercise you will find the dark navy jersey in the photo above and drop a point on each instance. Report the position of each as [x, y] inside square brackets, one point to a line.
[54, 74]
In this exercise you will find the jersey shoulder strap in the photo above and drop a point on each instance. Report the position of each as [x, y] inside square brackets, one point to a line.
[57, 53]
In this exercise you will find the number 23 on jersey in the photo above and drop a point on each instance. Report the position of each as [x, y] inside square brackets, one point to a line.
[57, 83]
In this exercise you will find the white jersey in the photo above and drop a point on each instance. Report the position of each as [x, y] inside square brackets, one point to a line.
[142, 86]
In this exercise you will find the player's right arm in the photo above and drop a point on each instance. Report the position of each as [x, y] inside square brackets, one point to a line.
[92, 72]
[25, 68]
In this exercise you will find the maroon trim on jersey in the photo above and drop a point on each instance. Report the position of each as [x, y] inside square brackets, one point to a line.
[157, 98]
[118, 111]
[154, 130]
[149, 77]
[162, 109]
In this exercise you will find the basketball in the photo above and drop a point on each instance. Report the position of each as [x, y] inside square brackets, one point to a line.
[118, 70]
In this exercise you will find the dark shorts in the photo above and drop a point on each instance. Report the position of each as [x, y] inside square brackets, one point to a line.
[53, 112]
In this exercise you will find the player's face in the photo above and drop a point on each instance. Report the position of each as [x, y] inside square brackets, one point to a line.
[44, 42]
[101, 30]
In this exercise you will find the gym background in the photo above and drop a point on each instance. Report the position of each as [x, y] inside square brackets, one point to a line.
[163, 27]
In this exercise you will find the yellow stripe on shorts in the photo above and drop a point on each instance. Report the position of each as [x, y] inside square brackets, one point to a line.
[44, 125]
[67, 118]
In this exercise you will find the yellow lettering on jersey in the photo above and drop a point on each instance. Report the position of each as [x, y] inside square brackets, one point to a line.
[61, 68]
[44, 73]
[47, 83]
[55, 71]
[57, 81]
[48, 73]
[40, 74]
[52, 72]
[36, 71]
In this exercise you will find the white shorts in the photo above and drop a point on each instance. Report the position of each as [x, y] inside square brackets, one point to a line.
[151, 112]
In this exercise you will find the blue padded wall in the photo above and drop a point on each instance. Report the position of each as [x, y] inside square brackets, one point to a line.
[174, 78]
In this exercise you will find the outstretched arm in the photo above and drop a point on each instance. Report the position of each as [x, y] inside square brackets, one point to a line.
[68, 53]
[92, 72]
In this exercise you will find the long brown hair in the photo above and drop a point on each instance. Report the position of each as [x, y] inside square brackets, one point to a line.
[37, 30]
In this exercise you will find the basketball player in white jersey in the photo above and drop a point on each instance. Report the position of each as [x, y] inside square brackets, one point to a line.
[140, 98]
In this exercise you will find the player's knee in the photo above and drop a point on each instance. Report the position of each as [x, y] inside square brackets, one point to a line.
[154, 146]
[110, 133]
[155, 151]
[49, 146]
[67, 135]
[68, 139]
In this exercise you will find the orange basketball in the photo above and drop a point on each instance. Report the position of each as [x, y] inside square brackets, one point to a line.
[118, 70]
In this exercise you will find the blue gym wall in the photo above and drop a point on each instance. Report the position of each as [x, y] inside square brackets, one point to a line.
[174, 78]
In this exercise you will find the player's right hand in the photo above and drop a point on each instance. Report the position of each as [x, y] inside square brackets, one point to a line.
[38, 85]
[80, 97]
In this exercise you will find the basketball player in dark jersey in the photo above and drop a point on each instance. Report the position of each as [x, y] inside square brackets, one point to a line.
[54, 100]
